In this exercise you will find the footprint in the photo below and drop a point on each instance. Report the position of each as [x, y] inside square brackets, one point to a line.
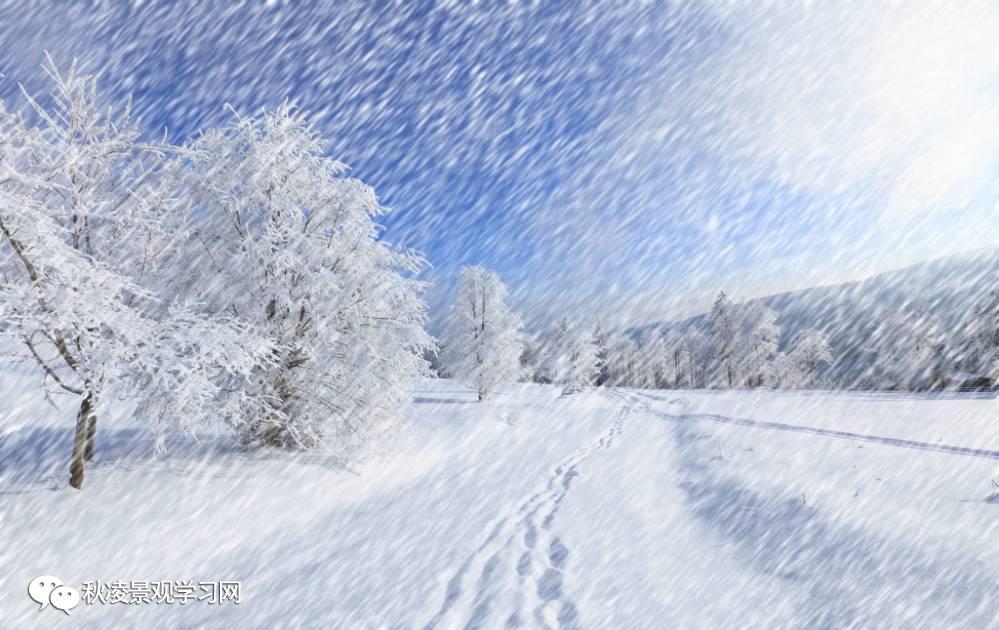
[568, 616]
[557, 553]
[550, 585]
[569, 476]
[524, 564]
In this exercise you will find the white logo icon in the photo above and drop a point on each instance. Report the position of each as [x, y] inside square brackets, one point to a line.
[64, 598]
[48, 589]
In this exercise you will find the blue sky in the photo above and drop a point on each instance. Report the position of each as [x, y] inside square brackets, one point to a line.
[622, 162]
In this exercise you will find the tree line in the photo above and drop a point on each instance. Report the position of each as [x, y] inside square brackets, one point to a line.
[735, 346]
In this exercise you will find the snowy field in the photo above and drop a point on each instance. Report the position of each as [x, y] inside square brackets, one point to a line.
[606, 509]
[711, 285]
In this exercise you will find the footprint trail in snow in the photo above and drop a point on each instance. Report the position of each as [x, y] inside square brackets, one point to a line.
[516, 576]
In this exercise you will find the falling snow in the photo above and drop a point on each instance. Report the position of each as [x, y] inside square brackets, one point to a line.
[485, 315]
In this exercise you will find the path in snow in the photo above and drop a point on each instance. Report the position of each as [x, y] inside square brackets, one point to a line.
[639, 400]
[516, 576]
[840, 575]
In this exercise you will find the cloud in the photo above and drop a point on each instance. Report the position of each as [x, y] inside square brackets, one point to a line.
[776, 146]
[898, 101]
[629, 159]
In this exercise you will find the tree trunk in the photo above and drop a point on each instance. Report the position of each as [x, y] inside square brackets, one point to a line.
[88, 451]
[80, 442]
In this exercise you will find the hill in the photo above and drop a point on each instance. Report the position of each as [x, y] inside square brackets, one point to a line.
[946, 288]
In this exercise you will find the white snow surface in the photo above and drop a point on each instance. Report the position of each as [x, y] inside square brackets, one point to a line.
[609, 508]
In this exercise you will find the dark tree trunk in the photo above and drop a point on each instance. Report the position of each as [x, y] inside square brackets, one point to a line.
[80, 442]
[88, 451]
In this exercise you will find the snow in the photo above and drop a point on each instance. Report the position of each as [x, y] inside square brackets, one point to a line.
[965, 419]
[606, 508]
[195, 265]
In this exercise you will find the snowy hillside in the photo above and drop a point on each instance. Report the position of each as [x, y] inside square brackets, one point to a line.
[606, 509]
[946, 289]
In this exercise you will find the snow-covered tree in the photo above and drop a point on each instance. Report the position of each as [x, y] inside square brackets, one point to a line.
[292, 247]
[530, 358]
[482, 337]
[743, 341]
[757, 339]
[722, 330]
[654, 360]
[907, 346]
[602, 339]
[87, 214]
[809, 356]
[699, 355]
[431, 355]
[551, 365]
[571, 360]
[675, 344]
[980, 343]
[622, 361]
[583, 362]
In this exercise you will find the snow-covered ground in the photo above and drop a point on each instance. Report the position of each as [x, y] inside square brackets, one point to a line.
[606, 509]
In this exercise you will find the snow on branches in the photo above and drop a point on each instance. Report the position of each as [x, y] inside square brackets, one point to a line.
[571, 357]
[291, 246]
[482, 337]
[239, 278]
[87, 212]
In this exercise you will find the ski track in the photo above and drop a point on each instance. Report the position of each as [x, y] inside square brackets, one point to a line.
[838, 576]
[515, 577]
[639, 401]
